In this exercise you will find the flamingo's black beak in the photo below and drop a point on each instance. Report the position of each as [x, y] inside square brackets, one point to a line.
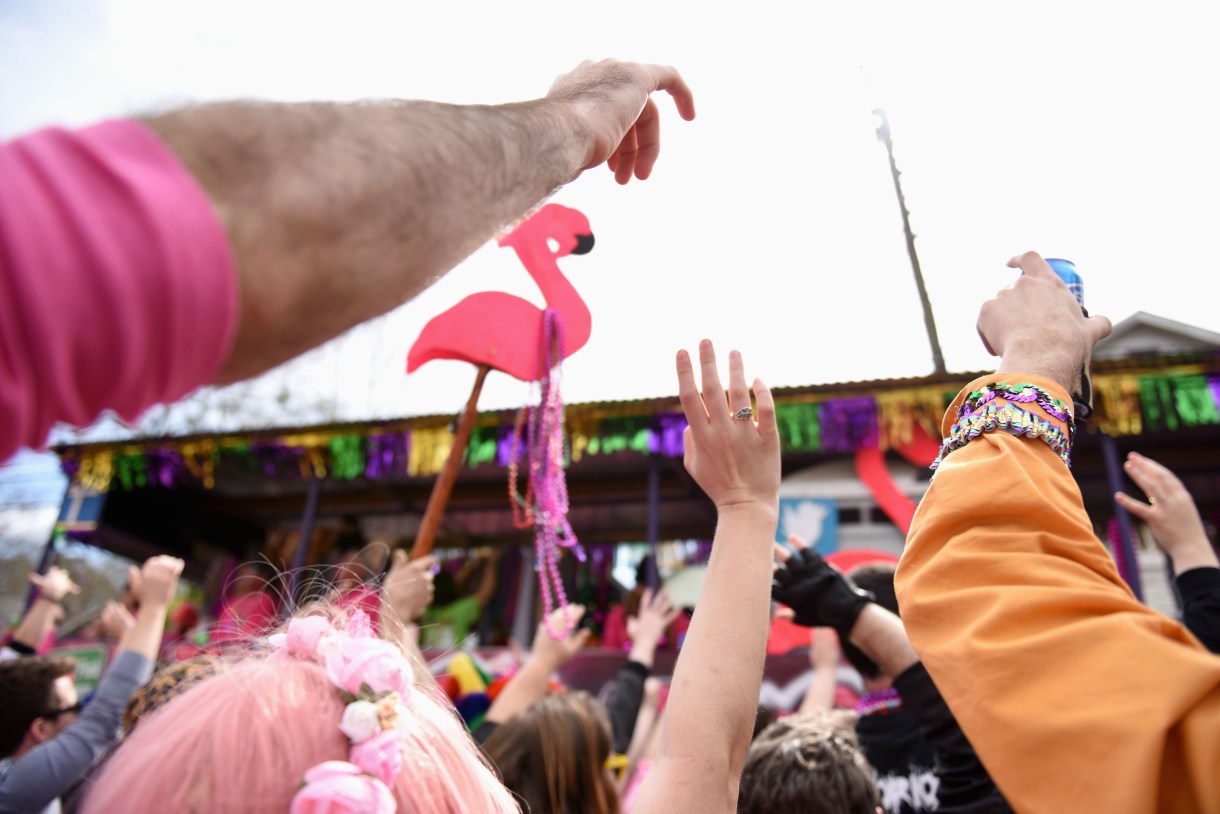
[584, 244]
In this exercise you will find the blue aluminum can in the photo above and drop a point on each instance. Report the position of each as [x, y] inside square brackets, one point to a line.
[1066, 270]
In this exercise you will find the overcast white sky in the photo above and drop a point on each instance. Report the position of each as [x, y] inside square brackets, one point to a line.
[770, 225]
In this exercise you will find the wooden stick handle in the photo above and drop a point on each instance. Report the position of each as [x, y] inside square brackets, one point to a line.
[444, 481]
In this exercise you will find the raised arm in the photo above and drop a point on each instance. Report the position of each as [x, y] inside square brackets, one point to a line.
[358, 207]
[155, 589]
[39, 621]
[626, 693]
[1014, 605]
[49, 770]
[824, 655]
[532, 681]
[1174, 519]
[231, 237]
[713, 699]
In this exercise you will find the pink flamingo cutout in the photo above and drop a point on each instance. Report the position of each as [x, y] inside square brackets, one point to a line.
[502, 331]
[492, 329]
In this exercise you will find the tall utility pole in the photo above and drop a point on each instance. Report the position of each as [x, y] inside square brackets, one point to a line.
[883, 135]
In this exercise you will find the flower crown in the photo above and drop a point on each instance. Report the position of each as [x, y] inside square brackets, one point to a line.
[374, 679]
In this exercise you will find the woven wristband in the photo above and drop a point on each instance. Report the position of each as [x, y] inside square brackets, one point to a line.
[1017, 409]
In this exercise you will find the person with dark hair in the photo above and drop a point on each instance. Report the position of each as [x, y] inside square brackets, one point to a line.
[39, 701]
[553, 756]
[910, 716]
[49, 741]
[811, 763]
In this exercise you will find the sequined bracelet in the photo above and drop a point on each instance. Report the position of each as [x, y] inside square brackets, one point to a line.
[879, 702]
[995, 407]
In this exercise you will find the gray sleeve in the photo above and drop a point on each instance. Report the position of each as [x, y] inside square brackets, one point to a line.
[44, 773]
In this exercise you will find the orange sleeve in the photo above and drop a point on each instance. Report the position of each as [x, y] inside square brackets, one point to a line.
[1076, 696]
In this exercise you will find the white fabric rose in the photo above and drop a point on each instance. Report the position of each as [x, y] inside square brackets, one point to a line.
[360, 721]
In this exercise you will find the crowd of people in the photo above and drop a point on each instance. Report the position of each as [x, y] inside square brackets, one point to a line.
[1022, 674]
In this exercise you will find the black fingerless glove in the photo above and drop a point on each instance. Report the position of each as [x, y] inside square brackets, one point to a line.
[818, 594]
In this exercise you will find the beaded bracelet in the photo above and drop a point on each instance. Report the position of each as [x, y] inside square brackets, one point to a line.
[994, 407]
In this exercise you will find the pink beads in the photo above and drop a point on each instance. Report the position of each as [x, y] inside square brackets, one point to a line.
[545, 504]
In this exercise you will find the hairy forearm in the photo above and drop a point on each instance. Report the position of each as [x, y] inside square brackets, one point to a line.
[37, 623]
[344, 211]
[883, 639]
[714, 694]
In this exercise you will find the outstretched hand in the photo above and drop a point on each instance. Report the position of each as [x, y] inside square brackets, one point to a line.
[1036, 326]
[735, 461]
[115, 620]
[1170, 513]
[551, 653]
[55, 584]
[408, 588]
[818, 594]
[158, 580]
[657, 611]
[613, 103]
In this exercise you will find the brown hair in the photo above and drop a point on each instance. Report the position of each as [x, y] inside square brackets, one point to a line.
[26, 687]
[809, 763]
[552, 756]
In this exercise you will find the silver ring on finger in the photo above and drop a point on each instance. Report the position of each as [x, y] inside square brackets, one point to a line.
[744, 414]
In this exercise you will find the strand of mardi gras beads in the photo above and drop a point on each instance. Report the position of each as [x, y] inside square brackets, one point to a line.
[545, 503]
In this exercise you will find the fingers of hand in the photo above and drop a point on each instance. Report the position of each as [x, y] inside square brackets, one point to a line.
[797, 542]
[765, 411]
[782, 554]
[1031, 263]
[1099, 328]
[1138, 508]
[1156, 481]
[713, 391]
[648, 139]
[739, 394]
[574, 613]
[626, 155]
[688, 394]
[667, 78]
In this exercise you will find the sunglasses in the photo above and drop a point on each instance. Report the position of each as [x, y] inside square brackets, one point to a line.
[617, 764]
[72, 710]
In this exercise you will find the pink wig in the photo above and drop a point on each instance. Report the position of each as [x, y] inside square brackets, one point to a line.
[241, 741]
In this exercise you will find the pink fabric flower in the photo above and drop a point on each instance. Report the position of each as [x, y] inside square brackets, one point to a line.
[304, 634]
[338, 787]
[380, 756]
[374, 663]
[359, 626]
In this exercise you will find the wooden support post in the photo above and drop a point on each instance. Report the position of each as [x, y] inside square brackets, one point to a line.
[444, 481]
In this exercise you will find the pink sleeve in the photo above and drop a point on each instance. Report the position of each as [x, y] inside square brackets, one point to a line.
[117, 286]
